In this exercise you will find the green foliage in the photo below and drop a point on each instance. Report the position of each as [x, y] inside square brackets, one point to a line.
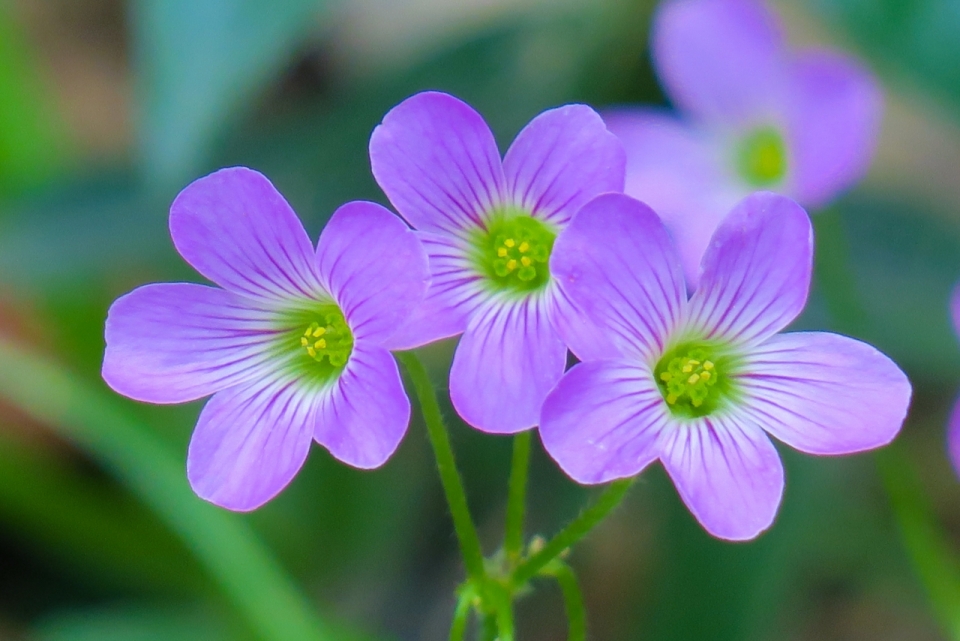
[375, 547]
[199, 62]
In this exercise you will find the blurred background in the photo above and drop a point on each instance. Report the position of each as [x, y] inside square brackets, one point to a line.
[109, 107]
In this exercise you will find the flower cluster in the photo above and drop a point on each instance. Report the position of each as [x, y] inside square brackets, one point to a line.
[525, 257]
[753, 115]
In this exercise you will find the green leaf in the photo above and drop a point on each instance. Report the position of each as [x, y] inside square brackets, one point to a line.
[198, 62]
[90, 526]
[32, 141]
[246, 573]
[129, 624]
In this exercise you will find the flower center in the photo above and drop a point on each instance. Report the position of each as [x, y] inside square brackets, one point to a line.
[328, 339]
[514, 251]
[692, 379]
[762, 157]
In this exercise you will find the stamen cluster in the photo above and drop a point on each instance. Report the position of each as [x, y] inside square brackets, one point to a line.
[514, 252]
[762, 157]
[687, 377]
[329, 340]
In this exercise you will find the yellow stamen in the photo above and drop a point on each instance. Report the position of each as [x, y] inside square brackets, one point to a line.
[693, 379]
[524, 247]
[303, 341]
[312, 352]
[525, 261]
[704, 376]
[707, 365]
[501, 252]
[509, 242]
[671, 398]
[320, 331]
[511, 264]
[320, 344]
[666, 376]
[686, 369]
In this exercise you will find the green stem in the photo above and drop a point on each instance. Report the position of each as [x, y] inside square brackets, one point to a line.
[934, 561]
[461, 615]
[572, 599]
[576, 530]
[447, 466]
[516, 500]
[245, 571]
[489, 631]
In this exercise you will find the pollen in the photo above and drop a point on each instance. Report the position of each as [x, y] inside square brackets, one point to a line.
[513, 251]
[690, 380]
[328, 340]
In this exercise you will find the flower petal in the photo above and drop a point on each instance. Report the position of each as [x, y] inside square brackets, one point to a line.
[561, 160]
[618, 265]
[677, 170]
[602, 421]
[756, 272]
[509, 358]
[719, 60]
[236, 229]
[834, 109]
[727, 472]
[454, 294]
[364, 415]
[953, 436]
[374, 266]
[177, 342]
[249, 443]
[824, 393]
[438, 163]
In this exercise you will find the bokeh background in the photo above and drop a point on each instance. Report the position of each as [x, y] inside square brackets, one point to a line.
[109, 107]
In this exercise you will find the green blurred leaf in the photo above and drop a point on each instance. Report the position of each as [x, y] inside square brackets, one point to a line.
[129, 624]
[916, 37]
[199, 62]
[88, 524]
[904, 261]
[248, 576]
[32, 141]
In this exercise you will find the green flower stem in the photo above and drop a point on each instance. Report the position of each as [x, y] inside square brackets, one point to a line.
[489, 631]
[516, 500]
[244, 570]
[572, 598]
[461, 615]
[576, 530]
[933, 559]
[936, 564]
[447, 466]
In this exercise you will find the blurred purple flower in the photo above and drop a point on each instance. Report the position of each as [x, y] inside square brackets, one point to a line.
[489, 229]
[753, 115]
[699, 383]
[293, 344]
[953, 427]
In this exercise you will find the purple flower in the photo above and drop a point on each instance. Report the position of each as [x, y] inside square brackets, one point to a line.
[953, 427]
[292, 345]
[489, 229]
[699, 383]
[753, 115]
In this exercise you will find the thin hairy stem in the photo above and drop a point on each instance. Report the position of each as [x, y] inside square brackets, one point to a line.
[447, 466]
[516, 499]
